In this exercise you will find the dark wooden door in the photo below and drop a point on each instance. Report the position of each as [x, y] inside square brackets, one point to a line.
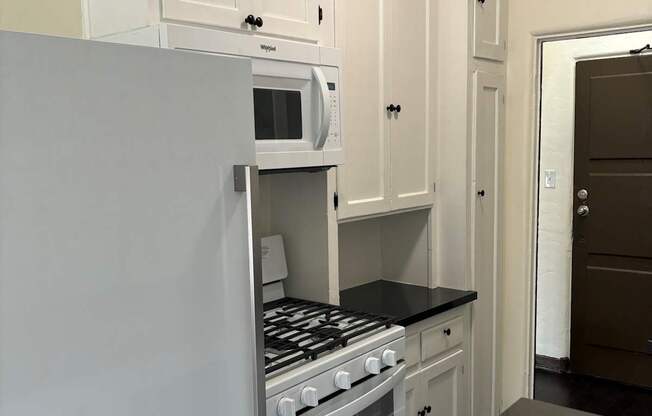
[611, 328]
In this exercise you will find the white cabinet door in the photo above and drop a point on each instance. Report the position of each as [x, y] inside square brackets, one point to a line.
[488, 121]
[224, 13]
[489, 29]
[443, 384]
[408, 55]
[413, 394]
[363, 181]
[292, 18]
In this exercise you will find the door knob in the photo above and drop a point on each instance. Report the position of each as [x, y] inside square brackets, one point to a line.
[582, 194]
[583, 210]
[391, 108]
[250, 20]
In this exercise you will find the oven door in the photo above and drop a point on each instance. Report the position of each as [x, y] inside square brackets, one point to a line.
[382, 395]
[292, 108]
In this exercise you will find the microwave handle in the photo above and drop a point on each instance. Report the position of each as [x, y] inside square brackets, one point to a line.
[325, 114]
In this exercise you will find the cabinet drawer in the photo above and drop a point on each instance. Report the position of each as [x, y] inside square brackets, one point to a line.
[441, 338]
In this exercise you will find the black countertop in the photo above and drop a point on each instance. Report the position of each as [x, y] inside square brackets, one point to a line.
[407, 303]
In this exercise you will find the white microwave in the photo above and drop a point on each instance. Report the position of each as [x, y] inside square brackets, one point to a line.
[296, 93]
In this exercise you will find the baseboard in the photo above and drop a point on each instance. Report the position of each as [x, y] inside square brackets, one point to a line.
[558, 365]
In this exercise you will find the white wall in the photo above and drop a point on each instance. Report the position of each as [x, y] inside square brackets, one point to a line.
[393, 247]
[53, 17]
[556, 205]
[527, 20]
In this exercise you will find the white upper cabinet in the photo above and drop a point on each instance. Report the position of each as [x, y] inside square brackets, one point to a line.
[293, 18]
[363, 181]
[224, 13]
[289, 18]
[408, 55]
[490, 29]
[388, 153]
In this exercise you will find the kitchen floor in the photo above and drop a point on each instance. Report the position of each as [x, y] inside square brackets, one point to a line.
[593, 395]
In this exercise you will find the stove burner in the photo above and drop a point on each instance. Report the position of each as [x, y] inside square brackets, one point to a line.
[298, 330]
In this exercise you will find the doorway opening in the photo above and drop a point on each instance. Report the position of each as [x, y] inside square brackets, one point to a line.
[586, 319]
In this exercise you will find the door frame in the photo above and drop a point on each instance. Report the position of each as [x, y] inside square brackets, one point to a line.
[538, 41]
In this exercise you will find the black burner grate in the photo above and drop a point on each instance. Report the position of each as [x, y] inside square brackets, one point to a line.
[303, 330]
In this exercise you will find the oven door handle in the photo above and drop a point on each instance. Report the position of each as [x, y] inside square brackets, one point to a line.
[363, 395]
[325, 113]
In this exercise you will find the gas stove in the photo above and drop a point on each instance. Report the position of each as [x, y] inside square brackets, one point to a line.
[297, 331]
[323, 359]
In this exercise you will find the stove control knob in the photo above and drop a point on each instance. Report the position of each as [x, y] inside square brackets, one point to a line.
[286, 407]
[389, 358]
[309, 396]
[372, 365]
[343, 380]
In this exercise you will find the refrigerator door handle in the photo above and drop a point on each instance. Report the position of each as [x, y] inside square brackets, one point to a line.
[245, 179]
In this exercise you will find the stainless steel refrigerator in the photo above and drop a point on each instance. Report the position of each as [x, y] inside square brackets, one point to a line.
[128, 269]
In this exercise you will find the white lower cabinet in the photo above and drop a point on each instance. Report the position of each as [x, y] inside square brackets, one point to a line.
[444, 386]
[437, 383]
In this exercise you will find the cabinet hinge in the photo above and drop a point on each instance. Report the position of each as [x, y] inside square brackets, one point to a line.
[336, 200]
[321, 14]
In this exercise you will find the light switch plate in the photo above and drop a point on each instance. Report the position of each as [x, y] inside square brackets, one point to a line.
[550, 178]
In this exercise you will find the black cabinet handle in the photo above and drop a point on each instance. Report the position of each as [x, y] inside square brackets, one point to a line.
[254, 21]
[447, 332]
[481, 193]
[391, 108]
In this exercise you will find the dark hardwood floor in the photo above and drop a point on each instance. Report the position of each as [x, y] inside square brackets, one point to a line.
[592, 395]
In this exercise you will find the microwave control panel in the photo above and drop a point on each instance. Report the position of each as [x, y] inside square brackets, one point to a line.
[334, 128]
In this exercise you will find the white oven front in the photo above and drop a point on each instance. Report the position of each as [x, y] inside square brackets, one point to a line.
[381, 395]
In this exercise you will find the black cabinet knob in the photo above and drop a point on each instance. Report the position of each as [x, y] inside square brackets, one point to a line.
[421, 413]
[482, 1]
[259, 22]
[428, 409]
[398, 108]
[481, 193]
[250, 20]
[391, 108]
[447, 332]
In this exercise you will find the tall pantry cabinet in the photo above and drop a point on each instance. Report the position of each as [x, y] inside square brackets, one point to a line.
[387, 103]
[489, 45]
